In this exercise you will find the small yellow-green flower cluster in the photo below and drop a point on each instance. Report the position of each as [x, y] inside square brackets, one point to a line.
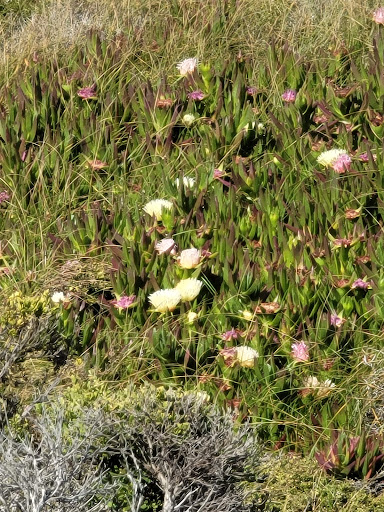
[19, 308]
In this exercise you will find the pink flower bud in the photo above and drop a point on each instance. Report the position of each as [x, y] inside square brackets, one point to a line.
[378, 16]
[289, 96]
[300, 352]
[87, 93]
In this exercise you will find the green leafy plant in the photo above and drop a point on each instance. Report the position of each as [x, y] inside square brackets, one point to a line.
[355, 457]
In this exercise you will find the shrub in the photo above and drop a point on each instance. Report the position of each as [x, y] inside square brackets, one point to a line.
[131, 449]
[190, 449]
[294, 484]
[47, 469]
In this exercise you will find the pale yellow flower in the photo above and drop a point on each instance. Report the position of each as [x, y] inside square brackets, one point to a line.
[156, 207]
[250, 126]
[165, 300]
[311, 382]
[189, 288]
[191, 317]
[188, 120]
[247, 315]
[328, 157]
[246, 356]
[202, 395]
[187, 66]
[189, 258]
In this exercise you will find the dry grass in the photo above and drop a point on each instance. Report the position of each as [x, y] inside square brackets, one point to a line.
[158, 33]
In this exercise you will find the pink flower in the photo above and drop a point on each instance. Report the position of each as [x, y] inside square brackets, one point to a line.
[230, 335]
[163, 102]
[289, 96]
[205, 253]
[218, 173]
[251, 91]
[336, 321]
[87, 93]
[360, 284]
[350, 213]
[196, 95]
[342, 164]
[328, 363]
[97, 165]
[300, 352]
[229, 355]
[342, 242]
[124, 302]
[378, 16]
[4, 196]
[365, 158]
[166, 246]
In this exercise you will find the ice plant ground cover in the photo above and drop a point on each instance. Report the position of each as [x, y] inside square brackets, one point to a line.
[240, 255]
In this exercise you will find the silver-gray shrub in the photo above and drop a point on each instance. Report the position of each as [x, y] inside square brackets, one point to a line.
[178, 443]
[192, 450]
[53, 467]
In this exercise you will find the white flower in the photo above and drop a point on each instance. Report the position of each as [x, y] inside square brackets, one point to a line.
[246, 356]
[165, 300]
[311, 382]
[249, 126]
[187, 182]
[191, 317]
[189, 258]
[166, 245]
[325, 388]
[189, 288]
[320, 389]
[187, 66]
[156, 206]
[58, 297]
[188, 120]
[328, 157]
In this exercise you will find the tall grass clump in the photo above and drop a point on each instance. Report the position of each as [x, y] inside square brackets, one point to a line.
[156, 34]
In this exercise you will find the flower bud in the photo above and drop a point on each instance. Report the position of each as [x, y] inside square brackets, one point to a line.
[188, 120]
[189, 258]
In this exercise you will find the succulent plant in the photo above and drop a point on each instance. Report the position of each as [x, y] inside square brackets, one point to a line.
[356, 457]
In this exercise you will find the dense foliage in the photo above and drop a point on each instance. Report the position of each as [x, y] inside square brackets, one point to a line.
[217, 230]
